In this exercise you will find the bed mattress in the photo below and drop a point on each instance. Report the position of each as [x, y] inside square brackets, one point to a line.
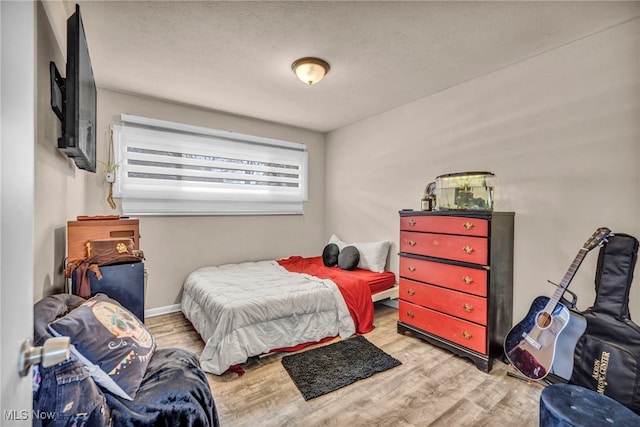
[356, 286]
[376, 282]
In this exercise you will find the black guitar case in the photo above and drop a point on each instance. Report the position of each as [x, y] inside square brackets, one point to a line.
[607, 356]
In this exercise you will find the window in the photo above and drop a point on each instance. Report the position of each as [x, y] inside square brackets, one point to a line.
[167, 168]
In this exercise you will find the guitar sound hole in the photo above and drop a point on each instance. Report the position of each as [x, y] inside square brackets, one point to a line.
[543, 320]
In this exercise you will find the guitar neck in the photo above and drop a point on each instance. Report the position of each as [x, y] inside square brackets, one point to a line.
[564, 284]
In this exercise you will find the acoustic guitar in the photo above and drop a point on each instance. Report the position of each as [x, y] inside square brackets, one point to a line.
[550, 327]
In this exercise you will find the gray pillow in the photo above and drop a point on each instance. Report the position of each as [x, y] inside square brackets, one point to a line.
[330, 255]
[348, 258]
[110, 341]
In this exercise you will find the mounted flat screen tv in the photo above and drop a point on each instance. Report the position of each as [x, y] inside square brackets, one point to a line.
[73, 98]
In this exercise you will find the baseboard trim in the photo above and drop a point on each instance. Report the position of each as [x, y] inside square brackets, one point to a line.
[162, 310]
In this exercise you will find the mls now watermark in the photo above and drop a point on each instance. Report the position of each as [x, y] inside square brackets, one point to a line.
[23, 414]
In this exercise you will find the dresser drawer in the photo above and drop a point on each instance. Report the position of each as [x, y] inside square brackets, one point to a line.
[446, 224]
[469, 249]
[459, 331]
[469, 307]
[465, 279]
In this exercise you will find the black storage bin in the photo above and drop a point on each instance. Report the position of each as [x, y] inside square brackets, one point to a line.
[122, 282]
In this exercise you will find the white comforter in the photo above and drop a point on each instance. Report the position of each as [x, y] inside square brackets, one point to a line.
[246, 309]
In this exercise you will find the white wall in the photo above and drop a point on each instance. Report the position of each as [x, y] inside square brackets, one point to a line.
[175, 246]
[60, 187]
[560, 130]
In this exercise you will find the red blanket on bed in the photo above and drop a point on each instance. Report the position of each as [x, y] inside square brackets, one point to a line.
[354, 286]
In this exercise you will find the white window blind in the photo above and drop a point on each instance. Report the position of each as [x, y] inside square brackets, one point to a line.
[168, 168]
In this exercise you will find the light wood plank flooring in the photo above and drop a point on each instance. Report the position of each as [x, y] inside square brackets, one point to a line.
[432, 387]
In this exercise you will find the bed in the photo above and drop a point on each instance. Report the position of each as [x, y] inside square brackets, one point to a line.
[252, 308]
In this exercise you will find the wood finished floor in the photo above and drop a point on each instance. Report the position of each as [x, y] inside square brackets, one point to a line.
[432, 387]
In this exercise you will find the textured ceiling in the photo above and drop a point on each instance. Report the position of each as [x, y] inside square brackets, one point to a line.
[236, 56]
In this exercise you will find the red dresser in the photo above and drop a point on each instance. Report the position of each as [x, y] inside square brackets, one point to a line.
[456, 281]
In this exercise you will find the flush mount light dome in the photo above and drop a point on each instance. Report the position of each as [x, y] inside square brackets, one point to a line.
[310, 70]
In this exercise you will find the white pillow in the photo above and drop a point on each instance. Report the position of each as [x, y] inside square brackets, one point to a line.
[373, 255]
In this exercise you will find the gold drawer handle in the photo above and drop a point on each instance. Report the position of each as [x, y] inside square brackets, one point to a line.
[411, 268]
[467, 307]
[411, 291]
[411, 222]
[467, 334]
[467, 249]
[410, 314]
[468, 280]
[412, 243]
[468, 225]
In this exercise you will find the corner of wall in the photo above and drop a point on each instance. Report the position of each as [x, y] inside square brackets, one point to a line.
[57, 16]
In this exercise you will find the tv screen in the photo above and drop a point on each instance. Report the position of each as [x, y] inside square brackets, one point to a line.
[78, 139]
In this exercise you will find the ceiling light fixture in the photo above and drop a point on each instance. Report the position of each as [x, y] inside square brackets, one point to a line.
[310, 70]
